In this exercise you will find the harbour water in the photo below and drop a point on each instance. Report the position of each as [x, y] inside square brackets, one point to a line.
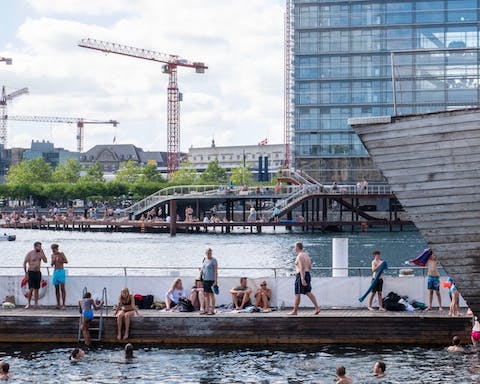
[239, 365]
[93, 249]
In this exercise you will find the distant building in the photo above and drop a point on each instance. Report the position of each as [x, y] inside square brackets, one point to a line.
[110, 156]
[235, 156]
[47, 151]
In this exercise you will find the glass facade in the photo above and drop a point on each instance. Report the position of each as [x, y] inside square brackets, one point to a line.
[342, 69]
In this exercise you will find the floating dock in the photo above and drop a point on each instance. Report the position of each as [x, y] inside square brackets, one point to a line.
[331, 326]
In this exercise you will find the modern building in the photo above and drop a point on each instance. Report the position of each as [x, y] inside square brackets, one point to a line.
[110, 156]
[49, 153]
[236, 156]
[342, 68]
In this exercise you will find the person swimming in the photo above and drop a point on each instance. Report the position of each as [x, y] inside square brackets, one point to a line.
[77, 355]
[129, 351]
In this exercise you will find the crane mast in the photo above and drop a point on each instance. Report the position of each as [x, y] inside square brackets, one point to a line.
[4, 99]
[171, 62]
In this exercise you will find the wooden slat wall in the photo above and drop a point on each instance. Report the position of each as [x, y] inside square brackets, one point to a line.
[431, 162]
[247, 330]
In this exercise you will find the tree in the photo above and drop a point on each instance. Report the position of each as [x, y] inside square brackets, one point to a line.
[94, 173]
[241, 175]
[185, 175]
[129, 172]
[150, 173]
[68, 172]
[30, 171]
[213, 174]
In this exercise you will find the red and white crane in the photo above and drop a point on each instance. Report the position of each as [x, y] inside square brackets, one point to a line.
[171, 62]
[80, 122]
[4, 100]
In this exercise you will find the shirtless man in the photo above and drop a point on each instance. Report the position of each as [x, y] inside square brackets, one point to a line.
[376, 263]
[33, 259]
[379, 369]
[456, 346]
[303, 264]
[342, 377]
[433, 281]
[58, 280]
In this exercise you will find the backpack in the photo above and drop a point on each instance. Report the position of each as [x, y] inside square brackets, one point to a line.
[185, 305]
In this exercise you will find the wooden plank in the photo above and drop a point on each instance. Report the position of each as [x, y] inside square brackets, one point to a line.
[435, 175]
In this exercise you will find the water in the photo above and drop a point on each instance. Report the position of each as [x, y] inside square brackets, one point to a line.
[199, 365]
[93, 249]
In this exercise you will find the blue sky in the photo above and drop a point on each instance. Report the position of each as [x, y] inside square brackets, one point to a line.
[238, 101]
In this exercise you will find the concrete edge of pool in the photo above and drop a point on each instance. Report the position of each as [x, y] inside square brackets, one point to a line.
[332, 326]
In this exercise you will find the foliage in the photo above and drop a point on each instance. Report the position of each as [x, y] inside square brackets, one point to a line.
[129, 172]
[241, 175]
[214, 174]
[185, 175]
[30, 171]
[150, 174]
[94, 174]
[68, 172]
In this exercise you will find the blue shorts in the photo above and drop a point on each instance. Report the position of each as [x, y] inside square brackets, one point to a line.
[58, 277]
[433, 283]
[299, 287]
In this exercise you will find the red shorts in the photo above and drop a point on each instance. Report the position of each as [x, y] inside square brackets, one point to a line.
[476, 335]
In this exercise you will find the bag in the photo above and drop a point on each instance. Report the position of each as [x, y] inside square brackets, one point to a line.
[391, 302]
[138, 300]
[185, 305]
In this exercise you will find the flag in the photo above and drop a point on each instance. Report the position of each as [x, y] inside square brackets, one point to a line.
[263, 142]
[422, 259]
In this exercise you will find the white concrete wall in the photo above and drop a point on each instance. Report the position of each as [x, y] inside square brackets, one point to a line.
[330, 291]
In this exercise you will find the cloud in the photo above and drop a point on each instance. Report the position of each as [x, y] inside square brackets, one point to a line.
[238, 100]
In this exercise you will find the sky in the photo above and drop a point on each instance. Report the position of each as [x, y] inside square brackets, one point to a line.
[238, 101]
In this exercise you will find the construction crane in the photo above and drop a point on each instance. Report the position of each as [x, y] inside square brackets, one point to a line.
[4, 99]
[80, 122]
[7, 60]
[171, 62]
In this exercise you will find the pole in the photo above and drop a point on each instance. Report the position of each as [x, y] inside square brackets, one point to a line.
[394, 90]
[173, 218]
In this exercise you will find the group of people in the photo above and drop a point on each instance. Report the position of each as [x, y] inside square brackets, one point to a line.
[379, 369]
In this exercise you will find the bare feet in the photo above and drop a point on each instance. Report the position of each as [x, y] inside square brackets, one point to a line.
[317, 311]
[125, 336]
[440, 309]
[57, 307]
[381, 309]
[428, 308]
[293, 313]
[63, 307]
[119, 336]
[370, 308]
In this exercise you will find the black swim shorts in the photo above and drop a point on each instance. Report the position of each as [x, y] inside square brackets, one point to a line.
[378, 287]
[34, 279]
[207, 286]
[299, 287]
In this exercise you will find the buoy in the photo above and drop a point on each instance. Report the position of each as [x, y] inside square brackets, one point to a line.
[41, 292]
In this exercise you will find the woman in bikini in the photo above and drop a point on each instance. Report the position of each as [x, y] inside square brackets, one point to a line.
[125, 310]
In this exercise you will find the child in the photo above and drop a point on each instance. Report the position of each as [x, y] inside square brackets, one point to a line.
[86, 307]
[376, 263]
[433, 282]
[4, 368]
[455, 297]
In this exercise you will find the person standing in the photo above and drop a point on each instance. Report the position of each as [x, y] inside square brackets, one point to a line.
[433, 281]
[378, 287]
[210, 278]
[31, 265]
[58, 279]
[303, 264]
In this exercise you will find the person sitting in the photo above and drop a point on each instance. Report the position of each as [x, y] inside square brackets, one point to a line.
[125, 310]
[197, 296]
[77, 355]
[455, 347]
[262, 296]
[341, 375]
[241, 295]
[379, 369]
[174, 293]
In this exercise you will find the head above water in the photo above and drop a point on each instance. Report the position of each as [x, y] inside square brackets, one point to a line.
[341, 371]
[5, 367]
[379, 368]
[456, 340]
[129, 350]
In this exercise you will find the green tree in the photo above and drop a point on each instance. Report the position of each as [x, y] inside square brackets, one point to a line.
[68, 172]
[213, 174]
[94, 174]
[241, 175]
[30, 171]
[129, 172]
[185, 175]
[150, 174]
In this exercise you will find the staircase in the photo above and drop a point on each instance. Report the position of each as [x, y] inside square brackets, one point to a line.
[96, 325]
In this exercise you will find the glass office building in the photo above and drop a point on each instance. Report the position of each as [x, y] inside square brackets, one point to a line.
[342, 68]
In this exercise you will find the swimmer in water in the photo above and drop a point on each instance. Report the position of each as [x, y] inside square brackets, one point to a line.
[379, 369]
[77, 355]
[341, 376]
[4, 371]
[456, 347]
[129, 351]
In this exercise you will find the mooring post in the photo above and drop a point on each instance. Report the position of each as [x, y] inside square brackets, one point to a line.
[173, 217]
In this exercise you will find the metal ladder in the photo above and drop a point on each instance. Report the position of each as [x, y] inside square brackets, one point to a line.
[98, 319]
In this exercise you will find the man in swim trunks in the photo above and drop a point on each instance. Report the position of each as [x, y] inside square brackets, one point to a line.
[433, 281]
[31, 265]
[377, 289]
[58, 280]
[303, 264]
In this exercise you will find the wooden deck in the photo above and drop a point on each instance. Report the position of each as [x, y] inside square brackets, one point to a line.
[331, 326]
